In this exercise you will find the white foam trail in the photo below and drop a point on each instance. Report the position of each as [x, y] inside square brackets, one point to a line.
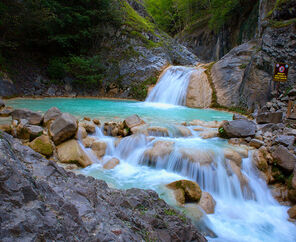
[172, 86]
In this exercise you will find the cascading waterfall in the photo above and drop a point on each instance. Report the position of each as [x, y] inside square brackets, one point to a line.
[244, 212]
[172, 86]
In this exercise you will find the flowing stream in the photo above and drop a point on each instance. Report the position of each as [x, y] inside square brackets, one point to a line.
[245, 209]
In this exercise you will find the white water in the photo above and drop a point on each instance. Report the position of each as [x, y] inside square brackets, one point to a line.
[243, 213]
[172, 86]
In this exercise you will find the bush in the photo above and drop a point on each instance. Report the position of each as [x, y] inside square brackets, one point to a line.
[56, 69]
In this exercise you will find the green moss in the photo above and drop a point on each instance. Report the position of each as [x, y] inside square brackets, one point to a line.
[140, 91]
[41, 147]
[170, 212]
[282, 24]
[243, 66]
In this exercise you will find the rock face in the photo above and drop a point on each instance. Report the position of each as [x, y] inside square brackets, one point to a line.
[284, 158]
[186, 191]
[239, 128]
[199, 91]
[40, 201]
[227, 74]
[34, 118]
[63, 128]
[51, 114]
[71, 152]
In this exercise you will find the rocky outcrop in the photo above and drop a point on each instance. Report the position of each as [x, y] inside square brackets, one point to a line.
[40, 202]
[199, 92]
[63, 128]
[227, 74]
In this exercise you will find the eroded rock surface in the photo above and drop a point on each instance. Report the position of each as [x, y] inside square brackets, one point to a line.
[42, 201]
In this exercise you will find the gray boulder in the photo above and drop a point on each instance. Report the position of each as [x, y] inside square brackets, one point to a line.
[284, 158]
[286, 140]
[63, 128]
[33, 118]
[269, 117]
[238, 128]
[133, 121]
[238, 116]
[51, 114]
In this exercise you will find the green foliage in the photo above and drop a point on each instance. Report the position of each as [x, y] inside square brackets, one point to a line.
[170, 212]
[56, 68]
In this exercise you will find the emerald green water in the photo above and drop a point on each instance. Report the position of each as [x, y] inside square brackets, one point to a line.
[107, 110]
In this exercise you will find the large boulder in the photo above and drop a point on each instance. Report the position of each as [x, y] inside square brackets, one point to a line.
[269, 117]
[207, 203]
[63, 128]
[71, 152]
[51, 114]
[186, 191]
[111, 164]
[238, 128]
[42, 145]
[284, 158]
[34, 118]
[133, 121]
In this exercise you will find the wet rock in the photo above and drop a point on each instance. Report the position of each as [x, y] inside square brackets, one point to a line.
[133, 121]
[96, 121]
[2, 104]
[285, 140]
[270, 117]
[284, 158]
[185, 132]
[292, 212]
[99, 147]
[63, 128]
[260, 160]
[201, 156]
[237, 171]
[158, 131]
[234, 156]
[292, 195]
[33, 118]
[207, 203]
[256, 143]
[208, 134]
[89, 126]
[111, 164]
[88, 141]
[81, 133]
[71, 152]
[42, 145]
[113, 128]
[6, 112]
[294, 178]
[160, 149]
[209, 124]
[51, 114]
[238, 128]
[186, 191]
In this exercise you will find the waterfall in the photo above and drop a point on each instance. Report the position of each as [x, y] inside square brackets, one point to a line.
[245, 209]
[172, 86]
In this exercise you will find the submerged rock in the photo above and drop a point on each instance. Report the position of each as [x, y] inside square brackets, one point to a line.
[158, 131]
[63, 128]
[200, 156]
[71, 152]
[111, 164]
[186, 191]
[185, 132]
[160, 149]
[233, 156]
[41, 199]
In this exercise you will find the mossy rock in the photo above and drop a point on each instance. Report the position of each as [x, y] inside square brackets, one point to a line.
[42, 145]
[186, 191]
